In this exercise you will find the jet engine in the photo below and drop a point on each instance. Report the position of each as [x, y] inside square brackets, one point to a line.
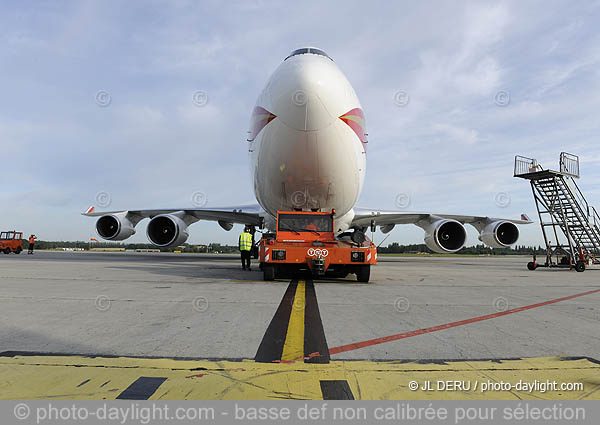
[167, 230]
[387, 228]
[499, 234]
[226, 225]
[114, 227]
[445, 236]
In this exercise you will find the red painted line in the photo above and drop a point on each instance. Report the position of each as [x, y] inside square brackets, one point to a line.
[376, 341]
[200, 375]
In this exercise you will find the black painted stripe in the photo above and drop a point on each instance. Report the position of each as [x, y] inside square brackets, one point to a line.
[141, 389]
[271, 346]
[336, 390]
[83, 383]
[315, 344]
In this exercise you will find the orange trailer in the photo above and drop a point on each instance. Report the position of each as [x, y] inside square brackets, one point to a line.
[306, 241]
[11, 241]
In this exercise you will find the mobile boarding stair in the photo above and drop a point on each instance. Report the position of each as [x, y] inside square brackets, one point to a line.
[571, 227]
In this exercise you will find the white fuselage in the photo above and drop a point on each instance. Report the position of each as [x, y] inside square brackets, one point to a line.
[307, 140]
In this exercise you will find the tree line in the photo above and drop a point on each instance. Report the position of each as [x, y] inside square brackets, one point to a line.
[396, 248]
[212, 247]
[393, 248]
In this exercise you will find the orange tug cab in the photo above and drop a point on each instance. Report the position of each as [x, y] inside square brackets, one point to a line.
[11, 241]
[306, 242]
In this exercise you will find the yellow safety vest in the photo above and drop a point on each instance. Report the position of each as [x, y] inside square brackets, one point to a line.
[245, 242]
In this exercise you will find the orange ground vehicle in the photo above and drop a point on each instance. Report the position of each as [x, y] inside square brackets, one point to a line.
[11, 241]
[306, 241]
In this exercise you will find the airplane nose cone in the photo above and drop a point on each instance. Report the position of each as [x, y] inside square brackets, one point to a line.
[309, 92]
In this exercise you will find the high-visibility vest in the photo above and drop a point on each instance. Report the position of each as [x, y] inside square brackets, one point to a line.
[245, 241]
[32, 240]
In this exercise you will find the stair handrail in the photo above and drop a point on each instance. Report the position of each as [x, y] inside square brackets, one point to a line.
[524, 165]
[592, 216]
[569, 164]
[596, 218]
[580, 198]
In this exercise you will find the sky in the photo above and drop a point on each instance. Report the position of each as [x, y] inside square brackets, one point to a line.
[130, 105]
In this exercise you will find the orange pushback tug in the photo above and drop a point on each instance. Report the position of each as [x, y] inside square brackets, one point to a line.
[306, 241]
[11, 241]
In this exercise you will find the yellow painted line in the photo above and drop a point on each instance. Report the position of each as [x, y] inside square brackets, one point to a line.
[293, 347]
[96, 378]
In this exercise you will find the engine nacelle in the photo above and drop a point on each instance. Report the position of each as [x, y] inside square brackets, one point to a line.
[225, 225]
[114, 227]
[387, 228]
[499, 234]
[445, 236]
[167, 230]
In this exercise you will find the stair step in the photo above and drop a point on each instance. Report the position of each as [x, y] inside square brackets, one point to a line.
[569, 211]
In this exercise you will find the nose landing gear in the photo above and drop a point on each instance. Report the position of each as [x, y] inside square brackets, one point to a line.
[358, 236]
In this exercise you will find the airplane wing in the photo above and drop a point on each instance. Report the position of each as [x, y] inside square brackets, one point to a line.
[169, 226]
[244, 214]
[444, 233]
[364, 217]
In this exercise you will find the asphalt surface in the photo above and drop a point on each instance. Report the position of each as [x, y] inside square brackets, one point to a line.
[206, 307]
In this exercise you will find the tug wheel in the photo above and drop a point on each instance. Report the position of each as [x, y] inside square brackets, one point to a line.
[268, 272]
[363, 273]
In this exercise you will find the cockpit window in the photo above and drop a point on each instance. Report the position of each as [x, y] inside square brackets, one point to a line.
[306, 50]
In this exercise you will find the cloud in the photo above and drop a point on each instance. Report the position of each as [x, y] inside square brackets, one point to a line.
[456, 134]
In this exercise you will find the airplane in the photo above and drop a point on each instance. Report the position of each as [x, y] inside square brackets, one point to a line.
[307, 149]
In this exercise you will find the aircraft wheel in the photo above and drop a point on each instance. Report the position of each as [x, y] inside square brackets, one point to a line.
[268, 272]
[531, 266]
[580, 266]
[363, 273]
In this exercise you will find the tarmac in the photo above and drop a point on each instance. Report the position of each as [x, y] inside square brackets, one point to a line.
[160, 326]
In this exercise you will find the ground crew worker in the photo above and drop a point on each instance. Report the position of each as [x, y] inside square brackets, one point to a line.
[311, 226]
[246, 248]
[32, 239]
[254, 250]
